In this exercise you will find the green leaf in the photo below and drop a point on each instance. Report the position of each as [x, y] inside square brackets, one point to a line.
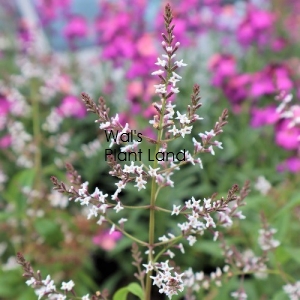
[293, 202]
[121, 294]
[14, 193]
[49, 230]
[294, 253]
[136, 289]
[133, 288]
[280, 296]
[283, 225]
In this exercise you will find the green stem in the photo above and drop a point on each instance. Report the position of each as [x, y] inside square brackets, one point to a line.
[140, 242]
[152, 203]
[154, 190]
[36, 134]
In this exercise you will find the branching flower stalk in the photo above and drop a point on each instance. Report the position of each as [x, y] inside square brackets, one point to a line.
[202, 215]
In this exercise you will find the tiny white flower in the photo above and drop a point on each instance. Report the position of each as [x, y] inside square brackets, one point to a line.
[139, 169]
[129, 169]
[174, 90]
[176, 75]
[140, 182]
[262, 185]
[149, 266]
[161, 62]
[218, 144]
[158, 72]
[210, 148]
[123, 220]
[185, 130]
[153, 172]
[180, 63]
[176, 210]
[31, 281]
[68, 286]
[183, 119]
[192, 240]
[174, 130]
[173, 80]
[120, 184]
[160, 89]
[181, 248]
[93, 212]
[118, 207]
[113, 228]
[101, 220]
[104, 125]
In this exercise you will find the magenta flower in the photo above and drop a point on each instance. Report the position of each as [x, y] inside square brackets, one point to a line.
[286, 136]
[76, 27]
[264, 116]
[256, 27]
[25, 34]
[105, 240]
[279, 44]
[4, 107]
[72, 107]
[236, 88]
[48, 10]
[295, 116]
[222, 66]
[269, 80]
[146, 45]
[292, 164]
[5, 141]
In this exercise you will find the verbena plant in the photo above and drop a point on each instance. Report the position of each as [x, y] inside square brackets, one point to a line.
[149, 163]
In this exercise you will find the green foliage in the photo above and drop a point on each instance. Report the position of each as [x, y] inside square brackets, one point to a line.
[132, 288]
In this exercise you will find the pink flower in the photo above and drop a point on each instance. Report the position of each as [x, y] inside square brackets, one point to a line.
[146, 45]
[292, 164]
[135, 89]
[272, 78]
[295, 110]
[71, 107]
[48, 10]
[4, 107]
[236, 88]
[222, 66]
[64, 83]
[76, 27]
[262, 84]
[279, 44]
[264, 116]
[5, 141]
[256, 27]
[105, 240]
[287, 137]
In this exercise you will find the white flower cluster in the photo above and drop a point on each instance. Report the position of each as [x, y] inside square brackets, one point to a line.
[164, 63]
[202, 211]
[167, 87]
[167, 284]
[265, 239]
[199, 280]
[3, 179]
[292, 290]
[239, 294]
[21, 143]
[100, 207]
[206, 137]
[53, 121]
[48, 288]
[262, 185]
